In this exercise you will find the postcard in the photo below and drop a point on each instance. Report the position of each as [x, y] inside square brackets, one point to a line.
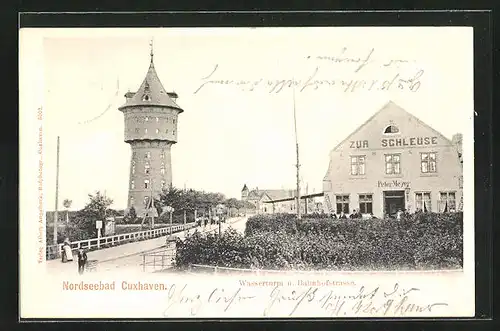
[246, 172]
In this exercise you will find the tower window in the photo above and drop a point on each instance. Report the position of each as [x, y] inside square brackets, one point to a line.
[157, 131]
[132, 200]
[146, 183]
[146, 168]
[173, 120]
[162, 155]
[146, 131]
[162, 169]
[133, 167]
[157, 120]
[391, 129]
[173, 132]
[146, 119]
[146, 201]
[132, 185]
[147, 155]
[162, 184]
[166, 131]
[136, 130]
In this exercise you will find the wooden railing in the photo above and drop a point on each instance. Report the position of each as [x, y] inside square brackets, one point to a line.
[105, 242]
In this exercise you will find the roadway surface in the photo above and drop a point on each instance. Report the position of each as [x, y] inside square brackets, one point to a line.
[129, 256]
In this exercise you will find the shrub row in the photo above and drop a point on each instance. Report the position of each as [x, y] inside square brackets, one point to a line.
[426, 241]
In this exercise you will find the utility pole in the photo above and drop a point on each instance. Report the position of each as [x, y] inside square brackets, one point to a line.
[297, 152]
[56, 214]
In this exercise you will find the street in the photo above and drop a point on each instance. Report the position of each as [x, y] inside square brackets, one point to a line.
[129, 256]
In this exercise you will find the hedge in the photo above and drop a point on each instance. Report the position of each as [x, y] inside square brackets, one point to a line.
[424, 241]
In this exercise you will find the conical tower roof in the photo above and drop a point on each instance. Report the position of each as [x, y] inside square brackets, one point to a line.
[151, 92]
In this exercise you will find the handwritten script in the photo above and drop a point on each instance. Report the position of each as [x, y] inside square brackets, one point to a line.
[388, 75]
[299, 301]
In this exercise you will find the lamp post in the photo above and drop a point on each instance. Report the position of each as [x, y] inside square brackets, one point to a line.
[220, 210]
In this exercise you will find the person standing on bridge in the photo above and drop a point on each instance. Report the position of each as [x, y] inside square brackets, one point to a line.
[82, 260]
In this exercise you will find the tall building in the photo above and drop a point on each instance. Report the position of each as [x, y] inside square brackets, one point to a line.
[394, 161]
[150, 129]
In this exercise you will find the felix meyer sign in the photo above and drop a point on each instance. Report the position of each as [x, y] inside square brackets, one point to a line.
[393, 184]
[397, 142]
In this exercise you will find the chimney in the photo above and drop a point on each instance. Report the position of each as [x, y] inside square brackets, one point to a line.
[457, 142]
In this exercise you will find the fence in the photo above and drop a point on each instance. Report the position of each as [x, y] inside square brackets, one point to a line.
[159, 260]
[104, 242]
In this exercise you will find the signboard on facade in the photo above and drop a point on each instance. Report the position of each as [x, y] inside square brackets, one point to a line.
[394, 184]
[397, 142]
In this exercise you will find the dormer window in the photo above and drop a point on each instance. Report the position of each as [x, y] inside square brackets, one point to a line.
[146, 87]
[391, 129]
[146, 119]
[146, 97]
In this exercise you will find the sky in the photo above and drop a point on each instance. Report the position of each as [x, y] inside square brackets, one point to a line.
[237, 126]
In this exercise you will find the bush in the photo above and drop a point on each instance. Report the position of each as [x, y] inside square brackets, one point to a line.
[422, 241]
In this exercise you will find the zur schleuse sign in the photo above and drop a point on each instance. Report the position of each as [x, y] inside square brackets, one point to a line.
[393, 184]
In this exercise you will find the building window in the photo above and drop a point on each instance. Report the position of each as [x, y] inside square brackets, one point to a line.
[146, 183]
[157, 120]
[146, 200]
[146, 119]
[391, 129]
[173, 120]
[366, 203]
[166, 131]
[132, 200]
[173, 132]
[447, 202]
[133, 167]
[145, 131]
[162, 168]
[163, 184]
[147, 155]
[428, 162]
[357, 165]
[162, 155]
[132, 184]
[392, 164]
[136, 130]
[423, 201]
[157, 131]
[342, 204]
[146, 168]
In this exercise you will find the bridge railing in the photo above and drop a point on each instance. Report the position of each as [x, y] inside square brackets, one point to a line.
[53, 251]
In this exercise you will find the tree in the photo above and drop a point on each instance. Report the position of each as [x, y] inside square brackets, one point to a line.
[131, 216]
[67, 204]
[95, 210]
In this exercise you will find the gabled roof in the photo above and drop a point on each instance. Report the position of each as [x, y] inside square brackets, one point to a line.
[398, 108]
[272, 194]
[153, 88]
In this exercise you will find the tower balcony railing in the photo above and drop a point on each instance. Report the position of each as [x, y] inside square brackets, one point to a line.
[53, 251]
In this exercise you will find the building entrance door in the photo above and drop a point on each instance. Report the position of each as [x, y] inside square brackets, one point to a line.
[393, 201]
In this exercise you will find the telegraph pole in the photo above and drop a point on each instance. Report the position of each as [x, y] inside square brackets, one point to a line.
[56, 214]
[297, 152]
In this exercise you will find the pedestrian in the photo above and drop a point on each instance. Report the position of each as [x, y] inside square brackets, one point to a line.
[67, 254]
[82, 260]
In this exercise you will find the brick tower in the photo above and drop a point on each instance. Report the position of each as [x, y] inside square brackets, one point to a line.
[151, 129]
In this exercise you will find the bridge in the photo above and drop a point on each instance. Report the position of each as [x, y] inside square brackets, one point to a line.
[129, 256]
